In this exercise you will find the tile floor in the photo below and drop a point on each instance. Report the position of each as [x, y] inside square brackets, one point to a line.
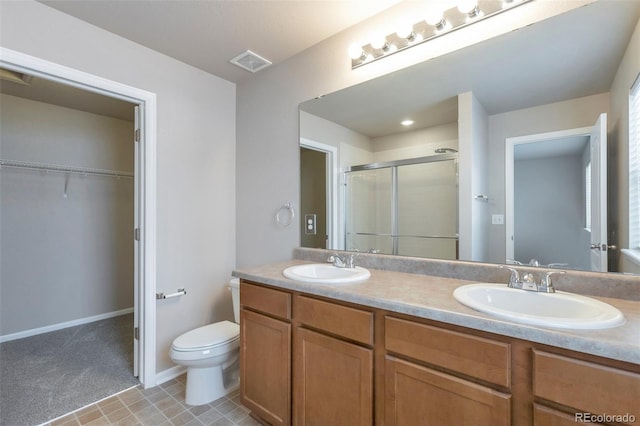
[162, 405]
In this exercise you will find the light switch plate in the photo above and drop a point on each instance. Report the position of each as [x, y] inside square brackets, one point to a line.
[497, 219]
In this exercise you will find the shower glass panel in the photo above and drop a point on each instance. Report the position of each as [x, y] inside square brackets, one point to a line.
[409, 207]
[427, 211]
[369, 210]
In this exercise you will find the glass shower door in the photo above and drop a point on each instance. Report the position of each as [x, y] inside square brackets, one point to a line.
[369, 210]
[427, 209]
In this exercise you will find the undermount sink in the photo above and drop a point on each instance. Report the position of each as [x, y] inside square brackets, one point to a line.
[558, 310]
[326, 273]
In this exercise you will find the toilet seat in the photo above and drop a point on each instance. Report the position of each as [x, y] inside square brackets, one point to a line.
[207, 337]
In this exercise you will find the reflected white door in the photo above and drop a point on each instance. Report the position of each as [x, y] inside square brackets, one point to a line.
[598, 144]
[137, 300]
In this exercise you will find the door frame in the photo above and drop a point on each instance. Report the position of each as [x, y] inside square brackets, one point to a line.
[145, 192]
[331, 190]
[510, 144]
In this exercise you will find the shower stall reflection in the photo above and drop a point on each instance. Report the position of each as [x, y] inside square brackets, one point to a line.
[406, 207]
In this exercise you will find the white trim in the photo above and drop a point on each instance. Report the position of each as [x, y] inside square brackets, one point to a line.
[18, 61]
[61, 325]
[510, 144]
[332, 189]
[170, 373]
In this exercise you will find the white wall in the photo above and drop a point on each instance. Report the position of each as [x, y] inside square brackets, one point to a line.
[267, 128]
[195, 156]
[619, 146]
[474, 213]
[353, 147]
[63, 258]
[417, 143]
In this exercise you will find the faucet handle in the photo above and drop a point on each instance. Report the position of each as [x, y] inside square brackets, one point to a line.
[515, 275]
[546, 283]
[337, 260]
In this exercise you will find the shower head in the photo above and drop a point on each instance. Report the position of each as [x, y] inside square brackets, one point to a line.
[443, 150]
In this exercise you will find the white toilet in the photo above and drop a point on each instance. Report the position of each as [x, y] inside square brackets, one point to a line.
[210, 354]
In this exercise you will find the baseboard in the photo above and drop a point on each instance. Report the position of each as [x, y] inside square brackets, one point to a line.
[60, 326]
[170, 373]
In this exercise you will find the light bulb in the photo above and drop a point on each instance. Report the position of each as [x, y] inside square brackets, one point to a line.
[407, 122]
[379, 42]
[356, 52]
[434, 17]
[406, 31]
[467, 6]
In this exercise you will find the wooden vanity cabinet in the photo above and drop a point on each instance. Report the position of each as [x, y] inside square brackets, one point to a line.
[312, 361]
[265, 352]
[333, 364]
[419, 392]
[580, 388]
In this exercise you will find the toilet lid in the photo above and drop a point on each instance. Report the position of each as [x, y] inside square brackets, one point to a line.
[210, 335]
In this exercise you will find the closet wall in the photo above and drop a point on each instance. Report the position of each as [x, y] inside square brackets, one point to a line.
[63, 258]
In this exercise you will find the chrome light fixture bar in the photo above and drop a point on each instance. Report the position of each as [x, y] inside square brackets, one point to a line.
[435, 24]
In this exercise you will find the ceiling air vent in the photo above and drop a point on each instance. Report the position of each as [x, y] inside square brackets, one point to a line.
[250, 61]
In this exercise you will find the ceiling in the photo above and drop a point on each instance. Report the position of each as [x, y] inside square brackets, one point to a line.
[209, 33]
[206, 34]
[569, 56]
[568, 146]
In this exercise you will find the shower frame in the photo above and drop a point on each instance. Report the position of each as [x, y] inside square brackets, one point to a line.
[394, 165]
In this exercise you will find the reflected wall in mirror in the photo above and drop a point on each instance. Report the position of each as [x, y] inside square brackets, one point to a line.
[555, 75]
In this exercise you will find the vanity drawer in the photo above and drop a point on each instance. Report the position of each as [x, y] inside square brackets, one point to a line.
[267, 300]
[351, 323]
[585, 386]
[477, 357]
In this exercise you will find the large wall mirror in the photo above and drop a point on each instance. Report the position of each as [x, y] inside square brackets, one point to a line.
[497, 165]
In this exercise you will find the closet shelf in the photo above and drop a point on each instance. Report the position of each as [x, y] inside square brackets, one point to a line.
[64, 169]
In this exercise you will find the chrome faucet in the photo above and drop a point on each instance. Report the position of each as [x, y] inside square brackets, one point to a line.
[528, 282]
[346, 261]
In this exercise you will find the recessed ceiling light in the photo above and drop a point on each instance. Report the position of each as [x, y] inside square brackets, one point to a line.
[407, 122]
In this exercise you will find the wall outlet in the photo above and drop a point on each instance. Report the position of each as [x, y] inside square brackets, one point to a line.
[497, 219]
[310, 224]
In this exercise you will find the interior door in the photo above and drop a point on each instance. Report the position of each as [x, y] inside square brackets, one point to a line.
[598, 144]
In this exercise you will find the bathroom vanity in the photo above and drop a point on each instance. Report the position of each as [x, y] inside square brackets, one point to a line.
[398, 349]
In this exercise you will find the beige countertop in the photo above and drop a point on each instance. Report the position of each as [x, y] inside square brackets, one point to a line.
[431, 297]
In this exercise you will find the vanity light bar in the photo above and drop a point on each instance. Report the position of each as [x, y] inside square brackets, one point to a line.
[466, 13]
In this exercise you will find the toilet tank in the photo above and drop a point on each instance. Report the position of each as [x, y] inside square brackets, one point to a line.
[234, 285]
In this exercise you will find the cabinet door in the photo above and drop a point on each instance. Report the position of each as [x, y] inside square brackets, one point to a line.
[333, 381]
[265, 367]
[416, 395]
[545, 416]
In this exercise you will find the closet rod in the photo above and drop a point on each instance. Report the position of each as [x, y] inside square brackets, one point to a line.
[64, 169]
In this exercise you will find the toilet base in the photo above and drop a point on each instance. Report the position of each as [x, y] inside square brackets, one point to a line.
[204, 385]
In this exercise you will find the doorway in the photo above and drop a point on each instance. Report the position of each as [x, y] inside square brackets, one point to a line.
[319, 195]
[552, 224]
[143, 233]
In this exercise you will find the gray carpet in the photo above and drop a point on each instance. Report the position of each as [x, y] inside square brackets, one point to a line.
[45, 376]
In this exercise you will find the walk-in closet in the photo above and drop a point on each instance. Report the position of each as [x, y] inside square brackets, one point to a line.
[67, 250]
